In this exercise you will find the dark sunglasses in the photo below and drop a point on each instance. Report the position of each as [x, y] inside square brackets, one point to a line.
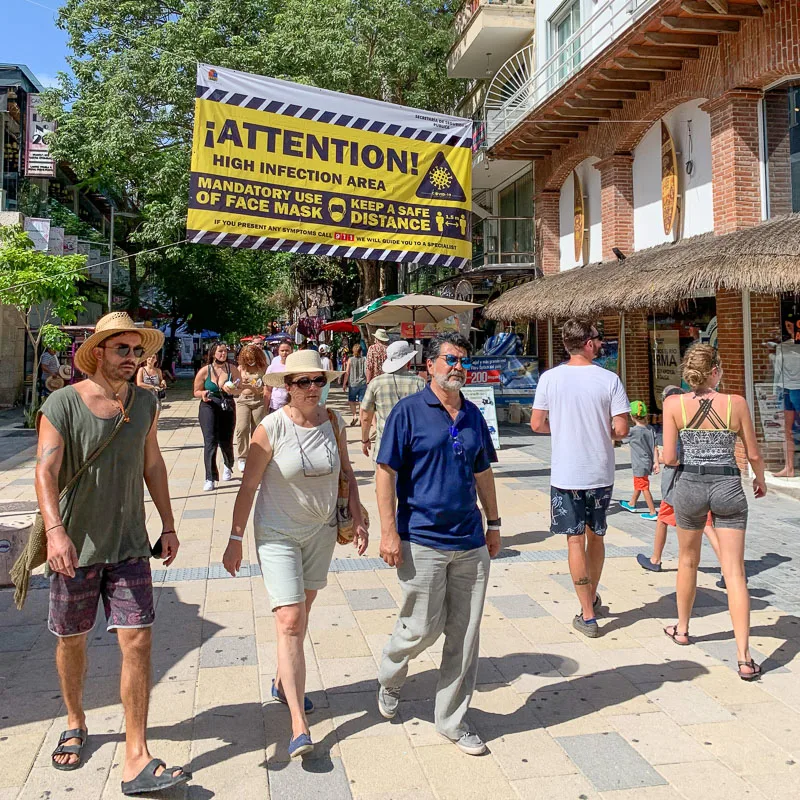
[458, 448]
[305, 383]
[451, 361]
[599, 337]
[123, 350]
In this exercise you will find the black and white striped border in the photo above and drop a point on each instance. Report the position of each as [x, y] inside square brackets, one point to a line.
[316, 115]
[320, 249]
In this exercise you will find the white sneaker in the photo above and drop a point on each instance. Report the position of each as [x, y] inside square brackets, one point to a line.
[469, 743]
[209, 486]
[227, 474]
[241, 465]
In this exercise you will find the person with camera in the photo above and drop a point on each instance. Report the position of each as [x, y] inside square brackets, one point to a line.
[216, 385]
[149, 376]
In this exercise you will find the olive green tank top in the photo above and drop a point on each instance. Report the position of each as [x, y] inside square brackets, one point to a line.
[104, 513]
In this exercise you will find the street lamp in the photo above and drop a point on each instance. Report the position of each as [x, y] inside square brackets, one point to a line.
[114, 213]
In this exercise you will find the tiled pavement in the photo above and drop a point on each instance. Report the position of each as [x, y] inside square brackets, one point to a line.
[627, 716]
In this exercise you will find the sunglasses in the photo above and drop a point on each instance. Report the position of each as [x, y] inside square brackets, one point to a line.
[123, 350]
[451, 361]
[305, 383]
[598, 336]
[458, 448]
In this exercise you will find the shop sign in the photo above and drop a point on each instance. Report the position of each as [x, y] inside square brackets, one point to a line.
[427, 330]
[579, 216]
[38, 231]
[520, 373]
[283, 166]
[665, 349]
[669, 180]
[770, 408]
[38, 163]
[483, 397]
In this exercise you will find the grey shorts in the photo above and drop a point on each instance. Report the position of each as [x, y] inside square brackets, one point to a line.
[695, 496]
[290, 566]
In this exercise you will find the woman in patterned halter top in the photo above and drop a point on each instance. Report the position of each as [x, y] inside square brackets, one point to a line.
[707, 425]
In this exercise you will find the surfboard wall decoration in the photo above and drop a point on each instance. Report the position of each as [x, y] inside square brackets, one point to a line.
[579, 216]
[669, 179]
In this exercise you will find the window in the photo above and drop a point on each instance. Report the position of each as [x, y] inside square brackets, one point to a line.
[516, 221]
[564, 24]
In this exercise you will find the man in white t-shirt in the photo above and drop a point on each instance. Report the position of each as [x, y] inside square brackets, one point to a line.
[585, 410]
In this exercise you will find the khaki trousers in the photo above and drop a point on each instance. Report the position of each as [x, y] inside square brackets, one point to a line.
[249, 414]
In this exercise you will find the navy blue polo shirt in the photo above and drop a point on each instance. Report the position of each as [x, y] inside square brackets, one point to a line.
[437, 502]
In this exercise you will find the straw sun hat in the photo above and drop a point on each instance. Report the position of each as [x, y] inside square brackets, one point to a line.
[112, 325]
[296, 363]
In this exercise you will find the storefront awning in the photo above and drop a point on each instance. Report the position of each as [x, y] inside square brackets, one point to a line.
[764, 259]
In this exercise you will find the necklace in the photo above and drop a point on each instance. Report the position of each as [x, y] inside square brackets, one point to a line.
[308, 468]
[116, 398]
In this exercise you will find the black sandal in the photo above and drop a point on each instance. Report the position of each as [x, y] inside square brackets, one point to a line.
[749, 676]
[674, 635]
[147, 781]
[70, 749]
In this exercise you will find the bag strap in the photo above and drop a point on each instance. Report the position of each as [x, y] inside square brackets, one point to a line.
[96, 454]
[337, 433]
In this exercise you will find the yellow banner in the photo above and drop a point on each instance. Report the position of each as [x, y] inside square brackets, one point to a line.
[319, 175]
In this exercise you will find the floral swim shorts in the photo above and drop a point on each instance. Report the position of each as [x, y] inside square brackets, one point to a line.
[574, 510]
[126, 589]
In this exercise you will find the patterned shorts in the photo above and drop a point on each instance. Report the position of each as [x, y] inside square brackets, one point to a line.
[573, 510]
[126, 589]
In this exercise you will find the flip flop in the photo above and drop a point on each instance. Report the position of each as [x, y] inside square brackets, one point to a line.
[147, 781]
[70, 749]
[674, 635]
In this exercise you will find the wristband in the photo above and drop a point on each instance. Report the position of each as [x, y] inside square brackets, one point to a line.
[493, 523]
[366, 441]
[164, 533]
[492, 527]
[236, 538]
[60, 525]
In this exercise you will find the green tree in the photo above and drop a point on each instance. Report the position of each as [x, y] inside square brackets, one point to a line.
[39, 286]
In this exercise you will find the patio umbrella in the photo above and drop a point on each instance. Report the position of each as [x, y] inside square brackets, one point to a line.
[362, 311]
[414, 308]
[340, 326]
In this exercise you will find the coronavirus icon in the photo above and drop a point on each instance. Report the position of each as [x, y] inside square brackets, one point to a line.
[441, 177]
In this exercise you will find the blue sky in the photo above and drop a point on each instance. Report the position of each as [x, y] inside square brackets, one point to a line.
[30, 36]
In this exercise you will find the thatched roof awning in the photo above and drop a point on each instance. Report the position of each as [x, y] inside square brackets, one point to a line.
[763, 259]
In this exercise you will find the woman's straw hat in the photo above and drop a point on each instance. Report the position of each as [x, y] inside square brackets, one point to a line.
[54, 383]
[65, 371]
[112, 325]
[296, 363]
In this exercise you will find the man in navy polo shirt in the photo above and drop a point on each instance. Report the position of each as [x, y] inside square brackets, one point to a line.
[433, 464]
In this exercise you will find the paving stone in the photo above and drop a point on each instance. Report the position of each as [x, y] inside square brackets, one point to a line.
[19, 638]
[563, 787]
[198, 513]
[228, 651]
[609, 762]
[517, 606]
[22, 482]
[368, 599]
[726, 653]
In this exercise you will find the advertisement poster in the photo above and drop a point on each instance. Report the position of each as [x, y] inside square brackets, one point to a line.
[282, 166]
[38, 163]
[483, 397]
[770, 408]
[70, 245]
[38, 231]
[517, 373]
[609, 356]
[55, 245]
[665, 354]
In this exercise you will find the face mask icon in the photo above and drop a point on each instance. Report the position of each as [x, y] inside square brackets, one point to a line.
[337, 209]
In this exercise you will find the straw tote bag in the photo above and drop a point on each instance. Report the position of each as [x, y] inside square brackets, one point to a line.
[344, 519]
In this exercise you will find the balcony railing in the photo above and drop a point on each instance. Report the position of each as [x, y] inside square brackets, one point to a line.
[502, 240]
[603, 27]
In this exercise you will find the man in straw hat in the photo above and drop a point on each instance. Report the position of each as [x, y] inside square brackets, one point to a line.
[387, 390]
[376, 354]
[434, 462]
[97, 543]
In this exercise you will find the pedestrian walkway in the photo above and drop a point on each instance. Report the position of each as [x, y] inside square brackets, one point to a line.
[628, 716]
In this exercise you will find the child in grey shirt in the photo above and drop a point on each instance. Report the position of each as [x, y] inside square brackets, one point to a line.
[644, 460]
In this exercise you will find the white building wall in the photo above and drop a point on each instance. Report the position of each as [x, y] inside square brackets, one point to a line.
[590, 180]
[696, 213]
